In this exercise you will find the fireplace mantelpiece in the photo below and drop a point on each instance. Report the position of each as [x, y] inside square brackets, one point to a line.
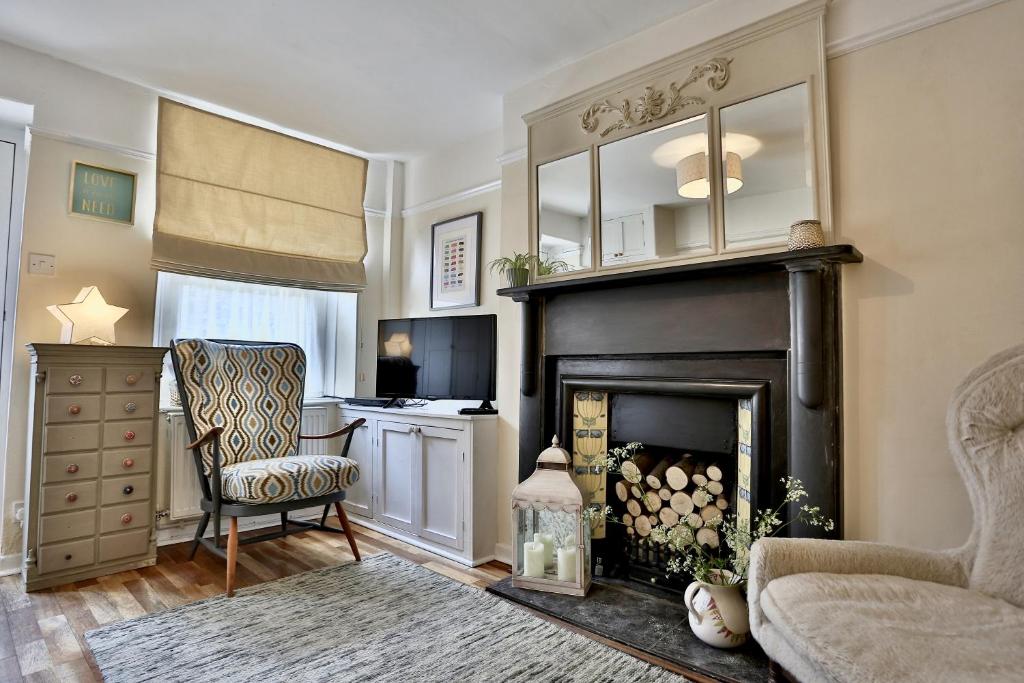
[773, 317]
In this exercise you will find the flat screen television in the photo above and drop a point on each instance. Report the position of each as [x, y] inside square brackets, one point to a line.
[438, 358]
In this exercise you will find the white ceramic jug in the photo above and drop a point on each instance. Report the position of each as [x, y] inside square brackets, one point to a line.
[718, 614]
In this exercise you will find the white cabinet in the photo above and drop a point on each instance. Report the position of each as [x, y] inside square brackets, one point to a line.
[359, 497]
[432, 480]
[623, 239]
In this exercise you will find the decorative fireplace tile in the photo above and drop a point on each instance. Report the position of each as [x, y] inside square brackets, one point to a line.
[744, 419]
[590, 448]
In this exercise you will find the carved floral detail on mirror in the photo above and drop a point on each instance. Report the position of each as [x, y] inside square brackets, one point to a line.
[654, 105]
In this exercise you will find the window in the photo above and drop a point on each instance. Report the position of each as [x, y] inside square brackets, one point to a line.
[322, 323]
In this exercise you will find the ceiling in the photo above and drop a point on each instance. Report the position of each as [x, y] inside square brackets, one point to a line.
[389, 77]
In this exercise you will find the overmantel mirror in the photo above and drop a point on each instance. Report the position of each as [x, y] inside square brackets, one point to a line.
[714, 153]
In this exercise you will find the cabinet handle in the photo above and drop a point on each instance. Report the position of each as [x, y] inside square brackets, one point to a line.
[130, 407]
[74, 409]
[128, 490]
[126, 518]
[67, 557]
[131, 378]
[75, 380]
[71, 469]
[71, 497]
[127, 463]
[129, 435]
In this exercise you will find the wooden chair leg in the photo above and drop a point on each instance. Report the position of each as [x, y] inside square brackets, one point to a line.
[232, 555]
[200, 530]
[343, 518]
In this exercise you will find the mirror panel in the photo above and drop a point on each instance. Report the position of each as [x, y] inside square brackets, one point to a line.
[654, 194]
[768, 164]
[563, 214]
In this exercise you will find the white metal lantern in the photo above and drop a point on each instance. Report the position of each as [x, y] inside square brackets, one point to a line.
[551, 550]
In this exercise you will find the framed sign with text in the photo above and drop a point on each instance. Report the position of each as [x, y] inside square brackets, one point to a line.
[100, 193]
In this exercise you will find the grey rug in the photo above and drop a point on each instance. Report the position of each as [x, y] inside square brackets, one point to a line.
[384, 619]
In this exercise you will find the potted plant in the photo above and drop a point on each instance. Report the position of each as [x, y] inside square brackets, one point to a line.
[516, 268]
[715, 599]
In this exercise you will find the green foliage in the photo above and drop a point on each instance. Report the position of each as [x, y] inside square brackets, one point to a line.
[519, 261]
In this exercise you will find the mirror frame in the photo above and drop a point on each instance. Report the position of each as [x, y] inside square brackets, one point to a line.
[778, 52]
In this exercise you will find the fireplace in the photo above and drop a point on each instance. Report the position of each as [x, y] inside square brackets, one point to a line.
[702, 440]
[673, 350]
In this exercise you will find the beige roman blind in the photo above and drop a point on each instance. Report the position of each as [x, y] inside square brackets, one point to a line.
[239, 202]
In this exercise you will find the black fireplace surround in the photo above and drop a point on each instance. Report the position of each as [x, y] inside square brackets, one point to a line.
[764, 328]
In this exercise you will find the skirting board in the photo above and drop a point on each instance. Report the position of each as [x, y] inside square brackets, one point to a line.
[186, 530]
[411, 540]
[503, 553]
[10, 564]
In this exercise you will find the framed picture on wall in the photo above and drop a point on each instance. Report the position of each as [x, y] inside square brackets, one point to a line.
[455, 262]
[101, 193]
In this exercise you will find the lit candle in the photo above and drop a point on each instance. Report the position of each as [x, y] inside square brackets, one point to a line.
[549, 547]
[533, 559]
[567, 564]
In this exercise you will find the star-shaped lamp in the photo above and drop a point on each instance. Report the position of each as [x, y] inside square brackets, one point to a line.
[89, 319]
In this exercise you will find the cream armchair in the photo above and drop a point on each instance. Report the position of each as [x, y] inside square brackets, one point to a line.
[862, 612]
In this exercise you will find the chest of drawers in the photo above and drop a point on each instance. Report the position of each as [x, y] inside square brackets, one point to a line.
[91, 475]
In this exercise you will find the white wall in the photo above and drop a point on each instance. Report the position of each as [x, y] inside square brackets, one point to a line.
[464, 166]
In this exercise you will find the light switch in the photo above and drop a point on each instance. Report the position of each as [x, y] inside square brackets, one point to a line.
[42, 264]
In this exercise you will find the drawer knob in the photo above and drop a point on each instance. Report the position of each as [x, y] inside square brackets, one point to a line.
[68, 556]
[130, 407]
[71, 497]
[75, 380]
[127, 463]
[71, 469]
[128, 490]
[126, 518]
[74, 409]
[131, 379]
[129, 435]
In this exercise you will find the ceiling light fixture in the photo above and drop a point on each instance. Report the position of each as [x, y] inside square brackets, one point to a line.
[692, 175]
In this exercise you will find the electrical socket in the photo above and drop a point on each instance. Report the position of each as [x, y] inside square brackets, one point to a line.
[42, 264]
[19, 513]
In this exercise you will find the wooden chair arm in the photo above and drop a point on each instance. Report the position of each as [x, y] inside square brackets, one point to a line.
[351, 427]
[206, 438]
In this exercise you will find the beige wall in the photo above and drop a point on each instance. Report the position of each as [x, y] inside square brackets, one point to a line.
[112, 256]
[928, 159]
[415, 301]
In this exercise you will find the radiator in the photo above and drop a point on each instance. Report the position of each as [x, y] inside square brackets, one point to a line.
[184, 489]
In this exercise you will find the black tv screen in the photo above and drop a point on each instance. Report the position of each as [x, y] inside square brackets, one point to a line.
[437, 358]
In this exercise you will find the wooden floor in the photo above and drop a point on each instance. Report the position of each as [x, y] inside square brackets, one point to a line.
[41, 633]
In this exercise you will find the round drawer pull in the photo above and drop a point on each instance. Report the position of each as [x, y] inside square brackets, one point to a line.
[129, 435]
[75, 380]
[74, 409]
[126, 518]
[131, 379]
[130, 407]
[68, 556]
[71, 497]
[127, 463]
[71, 469]
[128, 490]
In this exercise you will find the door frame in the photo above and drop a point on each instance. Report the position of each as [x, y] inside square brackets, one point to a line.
[10, 247]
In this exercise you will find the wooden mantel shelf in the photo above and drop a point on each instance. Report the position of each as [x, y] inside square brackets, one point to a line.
[804, 259]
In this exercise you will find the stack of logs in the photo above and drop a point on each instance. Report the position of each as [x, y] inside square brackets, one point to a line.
[659, 491]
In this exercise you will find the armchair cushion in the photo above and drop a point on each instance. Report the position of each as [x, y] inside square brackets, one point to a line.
[273, 480]
[871, 627]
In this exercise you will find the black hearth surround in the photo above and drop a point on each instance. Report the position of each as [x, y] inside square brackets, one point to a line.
[771, 320]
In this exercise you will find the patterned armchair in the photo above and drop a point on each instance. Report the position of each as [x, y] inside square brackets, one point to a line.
[243, 409]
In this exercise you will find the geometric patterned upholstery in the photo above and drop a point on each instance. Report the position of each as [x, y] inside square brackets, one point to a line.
[253, 391]
[295, 477]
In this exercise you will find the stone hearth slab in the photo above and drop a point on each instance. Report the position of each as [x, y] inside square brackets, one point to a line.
[650, 621]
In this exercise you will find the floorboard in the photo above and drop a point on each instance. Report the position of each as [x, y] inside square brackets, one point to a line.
[42, 633]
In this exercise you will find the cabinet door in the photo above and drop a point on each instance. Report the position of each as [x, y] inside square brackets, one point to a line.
[611, 238]
[397, 475]
[359, 496]
[633, 240]
[443, 458]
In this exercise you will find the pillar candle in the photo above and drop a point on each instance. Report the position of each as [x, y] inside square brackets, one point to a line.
[533, 559]
[549, 547]
[567, 564]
